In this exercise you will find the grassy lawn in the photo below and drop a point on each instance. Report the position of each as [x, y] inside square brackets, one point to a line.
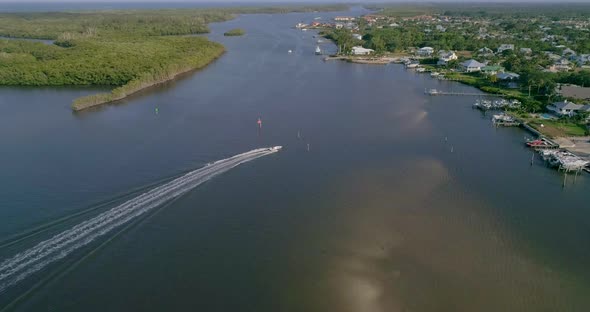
[556, 128]
[468, 79]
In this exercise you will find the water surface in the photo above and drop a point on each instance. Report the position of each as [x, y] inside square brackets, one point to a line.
[378, 214]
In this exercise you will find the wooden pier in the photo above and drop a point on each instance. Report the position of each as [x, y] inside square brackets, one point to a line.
[436, 92]
[530, 129]
[507, 123]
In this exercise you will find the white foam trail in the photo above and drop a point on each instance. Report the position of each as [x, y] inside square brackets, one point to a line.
[20, 266]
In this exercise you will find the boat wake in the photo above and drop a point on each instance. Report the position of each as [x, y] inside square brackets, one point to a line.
[20, 266]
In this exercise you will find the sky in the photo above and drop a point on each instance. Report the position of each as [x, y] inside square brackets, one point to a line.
[286, 1]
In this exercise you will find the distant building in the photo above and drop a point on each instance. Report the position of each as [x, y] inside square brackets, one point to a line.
[371, 18]
[575, 92]
[440, 28]
[582, 59]
[492, 69]
[552, 56]
[564, 108]
[485, 51]
[505, 47]
[560, 66]
[361, 51]
[506, 76]
[526, 51]
[425, 51]
[509, 80]
[344, 18]
[586, 109]
[357, 36]
[569, 52]
[471, 66]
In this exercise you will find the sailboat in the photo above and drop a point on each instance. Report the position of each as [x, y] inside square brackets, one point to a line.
[318, 51]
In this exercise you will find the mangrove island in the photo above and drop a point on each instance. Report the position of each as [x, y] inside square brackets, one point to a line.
[234, 32]
[127, 49]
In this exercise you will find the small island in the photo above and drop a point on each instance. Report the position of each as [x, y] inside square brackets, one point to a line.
[234, 32]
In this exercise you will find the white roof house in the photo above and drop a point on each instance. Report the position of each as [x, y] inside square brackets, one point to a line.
[507, 76]
[505, 47]
[357, 36]
[472, 66]
[564, 108]
[425, 51]
[446, 56]
[361, 51]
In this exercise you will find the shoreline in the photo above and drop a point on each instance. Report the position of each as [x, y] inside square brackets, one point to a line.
[98, 99]
[140, 75]
[379, 60]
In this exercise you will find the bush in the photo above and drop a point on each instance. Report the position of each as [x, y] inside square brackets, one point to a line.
[235, 32]
[429, 61]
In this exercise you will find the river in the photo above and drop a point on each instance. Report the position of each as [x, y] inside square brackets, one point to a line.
[382, 199]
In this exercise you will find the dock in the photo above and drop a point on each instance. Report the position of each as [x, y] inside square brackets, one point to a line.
[437, 92]
[507, 123]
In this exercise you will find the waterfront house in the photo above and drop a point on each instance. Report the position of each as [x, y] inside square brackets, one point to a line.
[425, 51]
[339, 25]
[361, 51]
[444, 57]
[492, 69]
[509, 80]
[507, 76]
[564, 108]
[505, 47]
[471, 66]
